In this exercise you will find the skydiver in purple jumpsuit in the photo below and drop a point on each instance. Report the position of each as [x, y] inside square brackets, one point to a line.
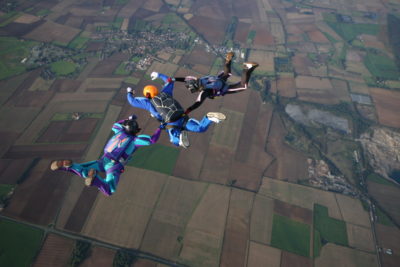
[117, 152]
[213, 86]
[175, 128]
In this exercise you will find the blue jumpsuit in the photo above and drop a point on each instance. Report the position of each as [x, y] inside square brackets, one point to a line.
[113, 168]
[191, 125]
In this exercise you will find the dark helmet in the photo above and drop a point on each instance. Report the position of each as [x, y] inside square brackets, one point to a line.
[131, 126]
[192, 84]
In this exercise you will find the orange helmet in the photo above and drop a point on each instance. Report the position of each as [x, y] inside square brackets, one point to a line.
[150, 91]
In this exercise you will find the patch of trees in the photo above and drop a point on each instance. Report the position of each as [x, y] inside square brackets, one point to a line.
[80, 252]
[394, 36]
[123, 258]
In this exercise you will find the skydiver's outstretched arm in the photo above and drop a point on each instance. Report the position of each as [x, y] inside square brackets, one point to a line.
[200, 99]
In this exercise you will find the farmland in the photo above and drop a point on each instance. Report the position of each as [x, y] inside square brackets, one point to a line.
[19, 244]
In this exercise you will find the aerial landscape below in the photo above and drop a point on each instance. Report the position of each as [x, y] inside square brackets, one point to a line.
[304, 170]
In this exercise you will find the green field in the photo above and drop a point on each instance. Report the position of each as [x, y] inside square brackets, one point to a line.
[329, 229]
[290, 235]
[117, 22]
[132, 80]
[156, 157]
[250, 37]
[317, 244]
[62, 68]
[376, 178]
[9, 17]
[12, 51]
[120, 70]
[5, 189]
[78, 42]
[349, 31]
[383, 218]
[380, 65]
[43, 12]
[19, 244]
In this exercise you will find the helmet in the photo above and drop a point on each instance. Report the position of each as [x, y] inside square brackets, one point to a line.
[192, 85]
[150, 91]
[131, 126]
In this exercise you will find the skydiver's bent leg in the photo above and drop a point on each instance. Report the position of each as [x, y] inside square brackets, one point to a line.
[196, 126]
[89, 171]
[113, 171]
[248, 68]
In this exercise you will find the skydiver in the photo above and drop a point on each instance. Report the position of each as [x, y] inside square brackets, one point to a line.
[169, 112]
[212, 86]
[117, 152]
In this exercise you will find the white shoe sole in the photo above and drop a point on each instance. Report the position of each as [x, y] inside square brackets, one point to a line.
[184, 139]
[218, 115]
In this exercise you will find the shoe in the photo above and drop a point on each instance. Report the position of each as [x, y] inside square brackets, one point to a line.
[90, 177]
[229, 56]
[184, 139]
[58, 164]
[249, 65]
[216, 117]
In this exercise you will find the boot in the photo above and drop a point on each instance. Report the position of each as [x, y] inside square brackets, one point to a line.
[250, 65]
[90, 177]
[229, 56]
[184, 139]
[58, 164]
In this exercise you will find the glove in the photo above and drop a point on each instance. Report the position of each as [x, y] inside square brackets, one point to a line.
[162, 126]
[129, 90]
[154, 75]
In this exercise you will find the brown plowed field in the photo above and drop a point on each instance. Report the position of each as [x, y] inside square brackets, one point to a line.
[145, 263]
[238, 102]
[317, 37]
[301, 63]
[285, 155]
[12, 170]
[69, 131]
[242, 31]
[107, 66]
[7, 140]
[39, 197]
[33, 99]
[153, 5]
[317, 96]
[99, 256]
[387, 105]
[293, 260]
[130, 8]
[213, 30]
[82, 208]
[246, 9]
[46, 151]
[56, 251]
[293, 212]
[263, 36]
[20, 29]
[388, 237]
[286, 87]
[261, 219]
[234, 250]
[216, 164]
[51, 31]
[199, 56]
[388, 197]
[262, 255]
[248, 173]
[66, 85]
[211, 9]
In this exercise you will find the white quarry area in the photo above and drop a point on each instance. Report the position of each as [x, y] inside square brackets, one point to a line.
[382, 149]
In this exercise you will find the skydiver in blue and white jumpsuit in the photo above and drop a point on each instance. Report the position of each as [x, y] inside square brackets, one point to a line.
[176, 129]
